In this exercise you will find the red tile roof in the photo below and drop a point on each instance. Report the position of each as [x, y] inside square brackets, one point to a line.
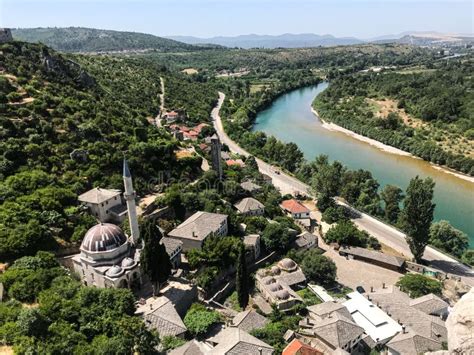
[296, 347]
[294, 206]
[237, 162]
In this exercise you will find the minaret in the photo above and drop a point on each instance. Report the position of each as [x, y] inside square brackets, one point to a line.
[129, 195]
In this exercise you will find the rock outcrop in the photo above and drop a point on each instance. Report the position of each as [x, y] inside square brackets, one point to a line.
[460, 324]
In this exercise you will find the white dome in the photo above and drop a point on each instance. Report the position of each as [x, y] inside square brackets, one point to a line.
[128, 263]
[114, 271]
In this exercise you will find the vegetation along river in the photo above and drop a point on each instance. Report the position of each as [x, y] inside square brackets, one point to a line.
[290, 119]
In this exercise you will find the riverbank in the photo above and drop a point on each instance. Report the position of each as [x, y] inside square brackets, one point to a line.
[387, 234]
[386, 148]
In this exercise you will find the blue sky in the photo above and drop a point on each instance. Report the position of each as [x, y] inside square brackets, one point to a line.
[359, 18]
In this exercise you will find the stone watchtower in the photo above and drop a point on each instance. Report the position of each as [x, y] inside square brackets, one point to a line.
[216, 155]
[5, 35]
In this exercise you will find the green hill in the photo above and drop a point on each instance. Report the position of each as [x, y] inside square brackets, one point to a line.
[65, 121]
[79, 39]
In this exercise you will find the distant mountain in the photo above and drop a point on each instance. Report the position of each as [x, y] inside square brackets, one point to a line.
[79, 39]
[267, 41]
[426, 38]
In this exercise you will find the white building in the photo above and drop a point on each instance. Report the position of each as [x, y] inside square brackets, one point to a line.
[193, 231]
[376, 323]
[106, 205]
[295, 209]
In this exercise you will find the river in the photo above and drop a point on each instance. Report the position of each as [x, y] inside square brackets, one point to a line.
[290, 119]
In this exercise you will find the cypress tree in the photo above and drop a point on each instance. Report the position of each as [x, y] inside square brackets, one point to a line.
[418, 214]
[242, 285]
[154, 260]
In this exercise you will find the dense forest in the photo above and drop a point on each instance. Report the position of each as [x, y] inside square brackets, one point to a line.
[428, 111]
[80, 39]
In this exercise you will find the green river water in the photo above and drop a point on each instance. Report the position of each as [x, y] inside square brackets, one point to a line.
[290, 119]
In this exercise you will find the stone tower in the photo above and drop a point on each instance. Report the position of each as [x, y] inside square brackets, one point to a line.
[129, 195]
[216, 155]
[5, 35]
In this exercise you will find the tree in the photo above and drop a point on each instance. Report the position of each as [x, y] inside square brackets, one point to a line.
[154, 260]
[335, 214]
[418, 214]
[445, 237]
[468, 257]
[346, 233]
[242, 286]
[199, 320]
[392, 196]
[318, 268]
[417, 285]
[276, 237]
[328, 178]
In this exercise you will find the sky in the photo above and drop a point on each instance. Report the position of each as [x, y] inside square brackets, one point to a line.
[207, 18]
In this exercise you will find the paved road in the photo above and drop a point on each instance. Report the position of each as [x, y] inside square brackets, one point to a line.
[386, 234]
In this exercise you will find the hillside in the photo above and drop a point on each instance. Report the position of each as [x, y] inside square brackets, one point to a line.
[66, 122]
[286, 40]
[425, 110]
[79, 39]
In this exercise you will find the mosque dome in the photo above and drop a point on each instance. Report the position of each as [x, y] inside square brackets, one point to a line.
[287, 264]
[282, 294]
[114, 271]
[103, 237]
[275, 270]
[128, 263]
[268, 280]
[274, 287]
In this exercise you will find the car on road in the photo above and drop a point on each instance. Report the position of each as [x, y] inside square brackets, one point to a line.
[360, 289]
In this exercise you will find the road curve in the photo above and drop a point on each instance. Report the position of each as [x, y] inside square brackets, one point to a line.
[385, 233]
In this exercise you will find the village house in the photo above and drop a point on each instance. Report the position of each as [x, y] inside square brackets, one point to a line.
[198, 227]
[251, 187]
[252, 244]
[160, 315]
[275, 284]
[250, 207]
[173, 249]
[171, 117]
[305, 240]
[333, 329]
[235, 162]
[373, 257]
[106, 205]
[297, 347]
[295, 209]
[228, 341]
[233, 340]
[421, 331]
[249, 320]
